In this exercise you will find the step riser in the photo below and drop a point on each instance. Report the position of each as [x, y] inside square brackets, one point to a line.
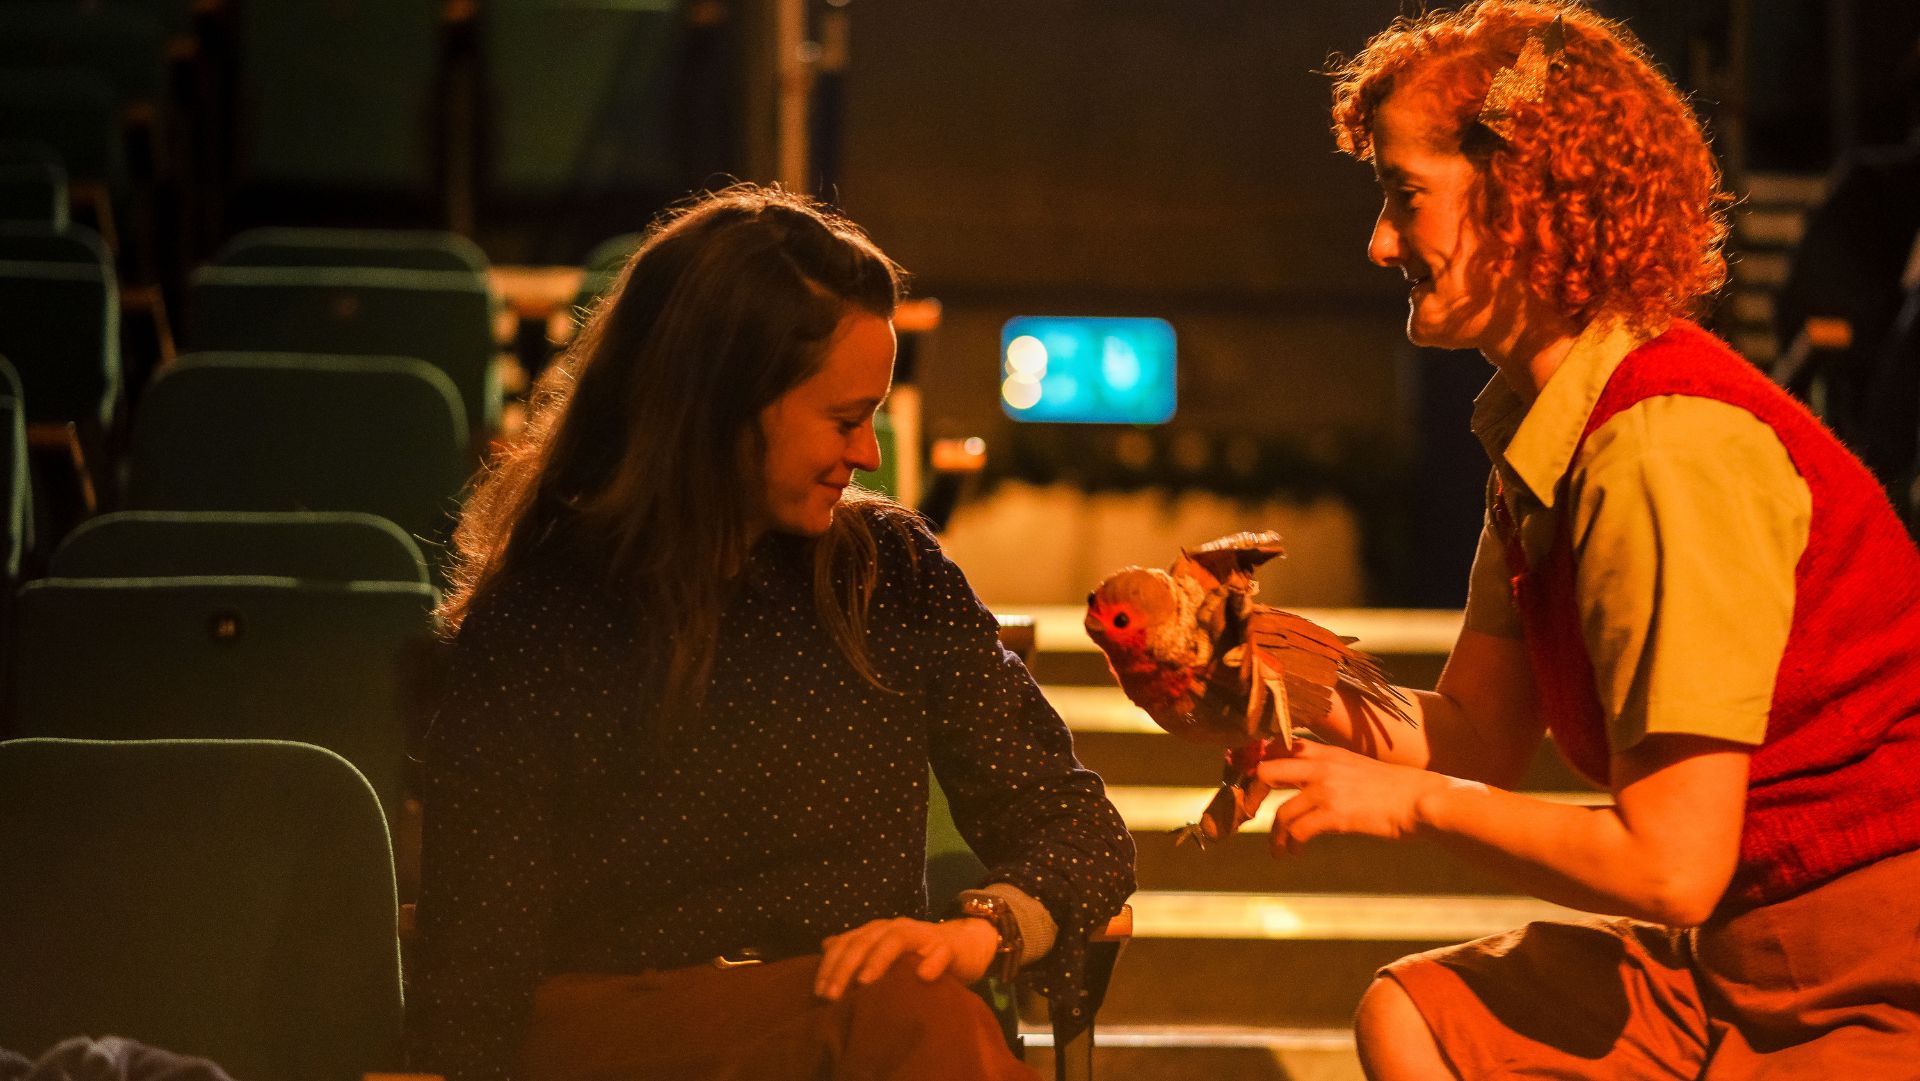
[1155, 758]
[1212, 1063]
[1288, 983]
[1327, 865]
[1420, 670]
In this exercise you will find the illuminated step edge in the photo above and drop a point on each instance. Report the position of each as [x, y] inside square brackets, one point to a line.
[1098, 709]
[1060, 628]
[1331, 916]
[1151, 808]
[1206, 1036]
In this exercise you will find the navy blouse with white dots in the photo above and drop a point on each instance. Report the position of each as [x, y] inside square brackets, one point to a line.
[791, 806]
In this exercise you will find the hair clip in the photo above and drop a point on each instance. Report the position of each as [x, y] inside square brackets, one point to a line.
[1526, 80]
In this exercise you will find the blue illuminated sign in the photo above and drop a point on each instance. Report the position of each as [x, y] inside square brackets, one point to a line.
[1083, 370]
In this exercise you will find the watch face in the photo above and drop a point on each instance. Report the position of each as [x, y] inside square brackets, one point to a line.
[995, 911]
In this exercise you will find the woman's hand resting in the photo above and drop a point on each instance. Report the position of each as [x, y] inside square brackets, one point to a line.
[964, 948]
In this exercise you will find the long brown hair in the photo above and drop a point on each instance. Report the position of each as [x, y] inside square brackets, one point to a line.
[643, 451]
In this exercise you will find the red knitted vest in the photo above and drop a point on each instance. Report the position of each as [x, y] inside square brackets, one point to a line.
[1836, 784]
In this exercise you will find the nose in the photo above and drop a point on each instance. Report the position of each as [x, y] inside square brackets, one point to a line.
[863, 449]
[1383, 248]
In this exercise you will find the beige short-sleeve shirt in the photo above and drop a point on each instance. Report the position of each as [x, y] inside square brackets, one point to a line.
[1688, 519]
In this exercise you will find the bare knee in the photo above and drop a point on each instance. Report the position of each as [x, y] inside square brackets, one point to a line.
[1394, 1040]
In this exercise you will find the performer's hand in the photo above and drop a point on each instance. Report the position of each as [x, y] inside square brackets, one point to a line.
[963, 947]
[1343, 792]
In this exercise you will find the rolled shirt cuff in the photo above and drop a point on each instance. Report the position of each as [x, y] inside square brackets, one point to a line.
[1037, 929]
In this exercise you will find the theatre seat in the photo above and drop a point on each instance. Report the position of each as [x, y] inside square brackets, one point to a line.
[284, 432]
[227, 899]
[394, 249]
[345, 665]
[441, 317]
[328, 546]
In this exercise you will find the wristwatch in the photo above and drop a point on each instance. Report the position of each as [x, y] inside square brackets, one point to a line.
[995, 910]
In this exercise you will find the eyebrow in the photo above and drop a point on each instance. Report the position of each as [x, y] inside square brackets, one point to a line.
[1393, 174]
[861, 405]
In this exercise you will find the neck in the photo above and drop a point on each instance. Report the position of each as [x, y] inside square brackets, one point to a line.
[1535, 350]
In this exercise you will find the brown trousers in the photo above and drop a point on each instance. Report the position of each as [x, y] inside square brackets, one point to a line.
[1822, 985]
[762, 1023]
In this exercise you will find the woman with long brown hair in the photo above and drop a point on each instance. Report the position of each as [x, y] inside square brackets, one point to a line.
[677, 795]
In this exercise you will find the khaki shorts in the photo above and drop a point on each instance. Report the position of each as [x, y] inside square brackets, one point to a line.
[1822, 985]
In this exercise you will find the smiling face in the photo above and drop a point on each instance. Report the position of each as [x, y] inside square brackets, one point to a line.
[1430, 231]
[819, 432]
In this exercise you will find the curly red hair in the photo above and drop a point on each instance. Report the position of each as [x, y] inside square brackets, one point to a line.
[1604, 195]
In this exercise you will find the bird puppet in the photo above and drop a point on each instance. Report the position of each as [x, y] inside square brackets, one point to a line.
[1191, 647]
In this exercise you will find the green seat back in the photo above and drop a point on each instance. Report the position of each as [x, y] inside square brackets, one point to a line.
[337, 664]
[952, 867]
[602, 265]
[38, 242]
[233, 900]
[442, 318]
[16, 505]
[395, 249]
[581, 97]
[175, 17]
[337, 93]
[340, 546]
[887, 477]
[60, 323]
[951, 864]
[124, 45]
[74, 112]
[16, 516]
[35, 192]
[380, 435]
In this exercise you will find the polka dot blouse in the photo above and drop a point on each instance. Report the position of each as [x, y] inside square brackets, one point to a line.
[791, 806]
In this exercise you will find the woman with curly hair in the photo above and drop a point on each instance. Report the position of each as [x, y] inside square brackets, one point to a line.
[1683, 577]
[676, 796]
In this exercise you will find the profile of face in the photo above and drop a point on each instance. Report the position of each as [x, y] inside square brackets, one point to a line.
[1429, 230]
[819, 432]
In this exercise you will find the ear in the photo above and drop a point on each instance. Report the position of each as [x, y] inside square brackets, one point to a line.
[1230, 560]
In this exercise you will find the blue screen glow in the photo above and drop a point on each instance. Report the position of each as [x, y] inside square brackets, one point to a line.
[1087, 370]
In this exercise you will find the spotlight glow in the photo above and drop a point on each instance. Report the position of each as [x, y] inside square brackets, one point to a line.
[1018, 393]
[1027, 358]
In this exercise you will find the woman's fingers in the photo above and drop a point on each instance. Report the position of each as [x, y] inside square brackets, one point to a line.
[934, 961]
[1343, 792]
[1284, 816]
[865, 953]
[1306, 761]
[841, 956]
[887, 950]
[1297, 829]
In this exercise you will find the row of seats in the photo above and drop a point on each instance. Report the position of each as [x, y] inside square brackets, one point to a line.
[231, 624]
[419, 295]
[310, 627]
[186, 118]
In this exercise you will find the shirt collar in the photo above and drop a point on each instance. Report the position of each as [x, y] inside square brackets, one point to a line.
[1536, 443]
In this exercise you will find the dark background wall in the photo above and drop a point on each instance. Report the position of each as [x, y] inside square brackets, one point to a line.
[1135, 158]
[1158, 158]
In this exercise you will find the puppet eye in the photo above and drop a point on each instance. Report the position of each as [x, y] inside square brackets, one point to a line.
[1121, 621]
[1090, 595]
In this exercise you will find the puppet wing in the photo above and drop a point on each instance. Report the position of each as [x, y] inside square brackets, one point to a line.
[1308, 661]
[1230, 561]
